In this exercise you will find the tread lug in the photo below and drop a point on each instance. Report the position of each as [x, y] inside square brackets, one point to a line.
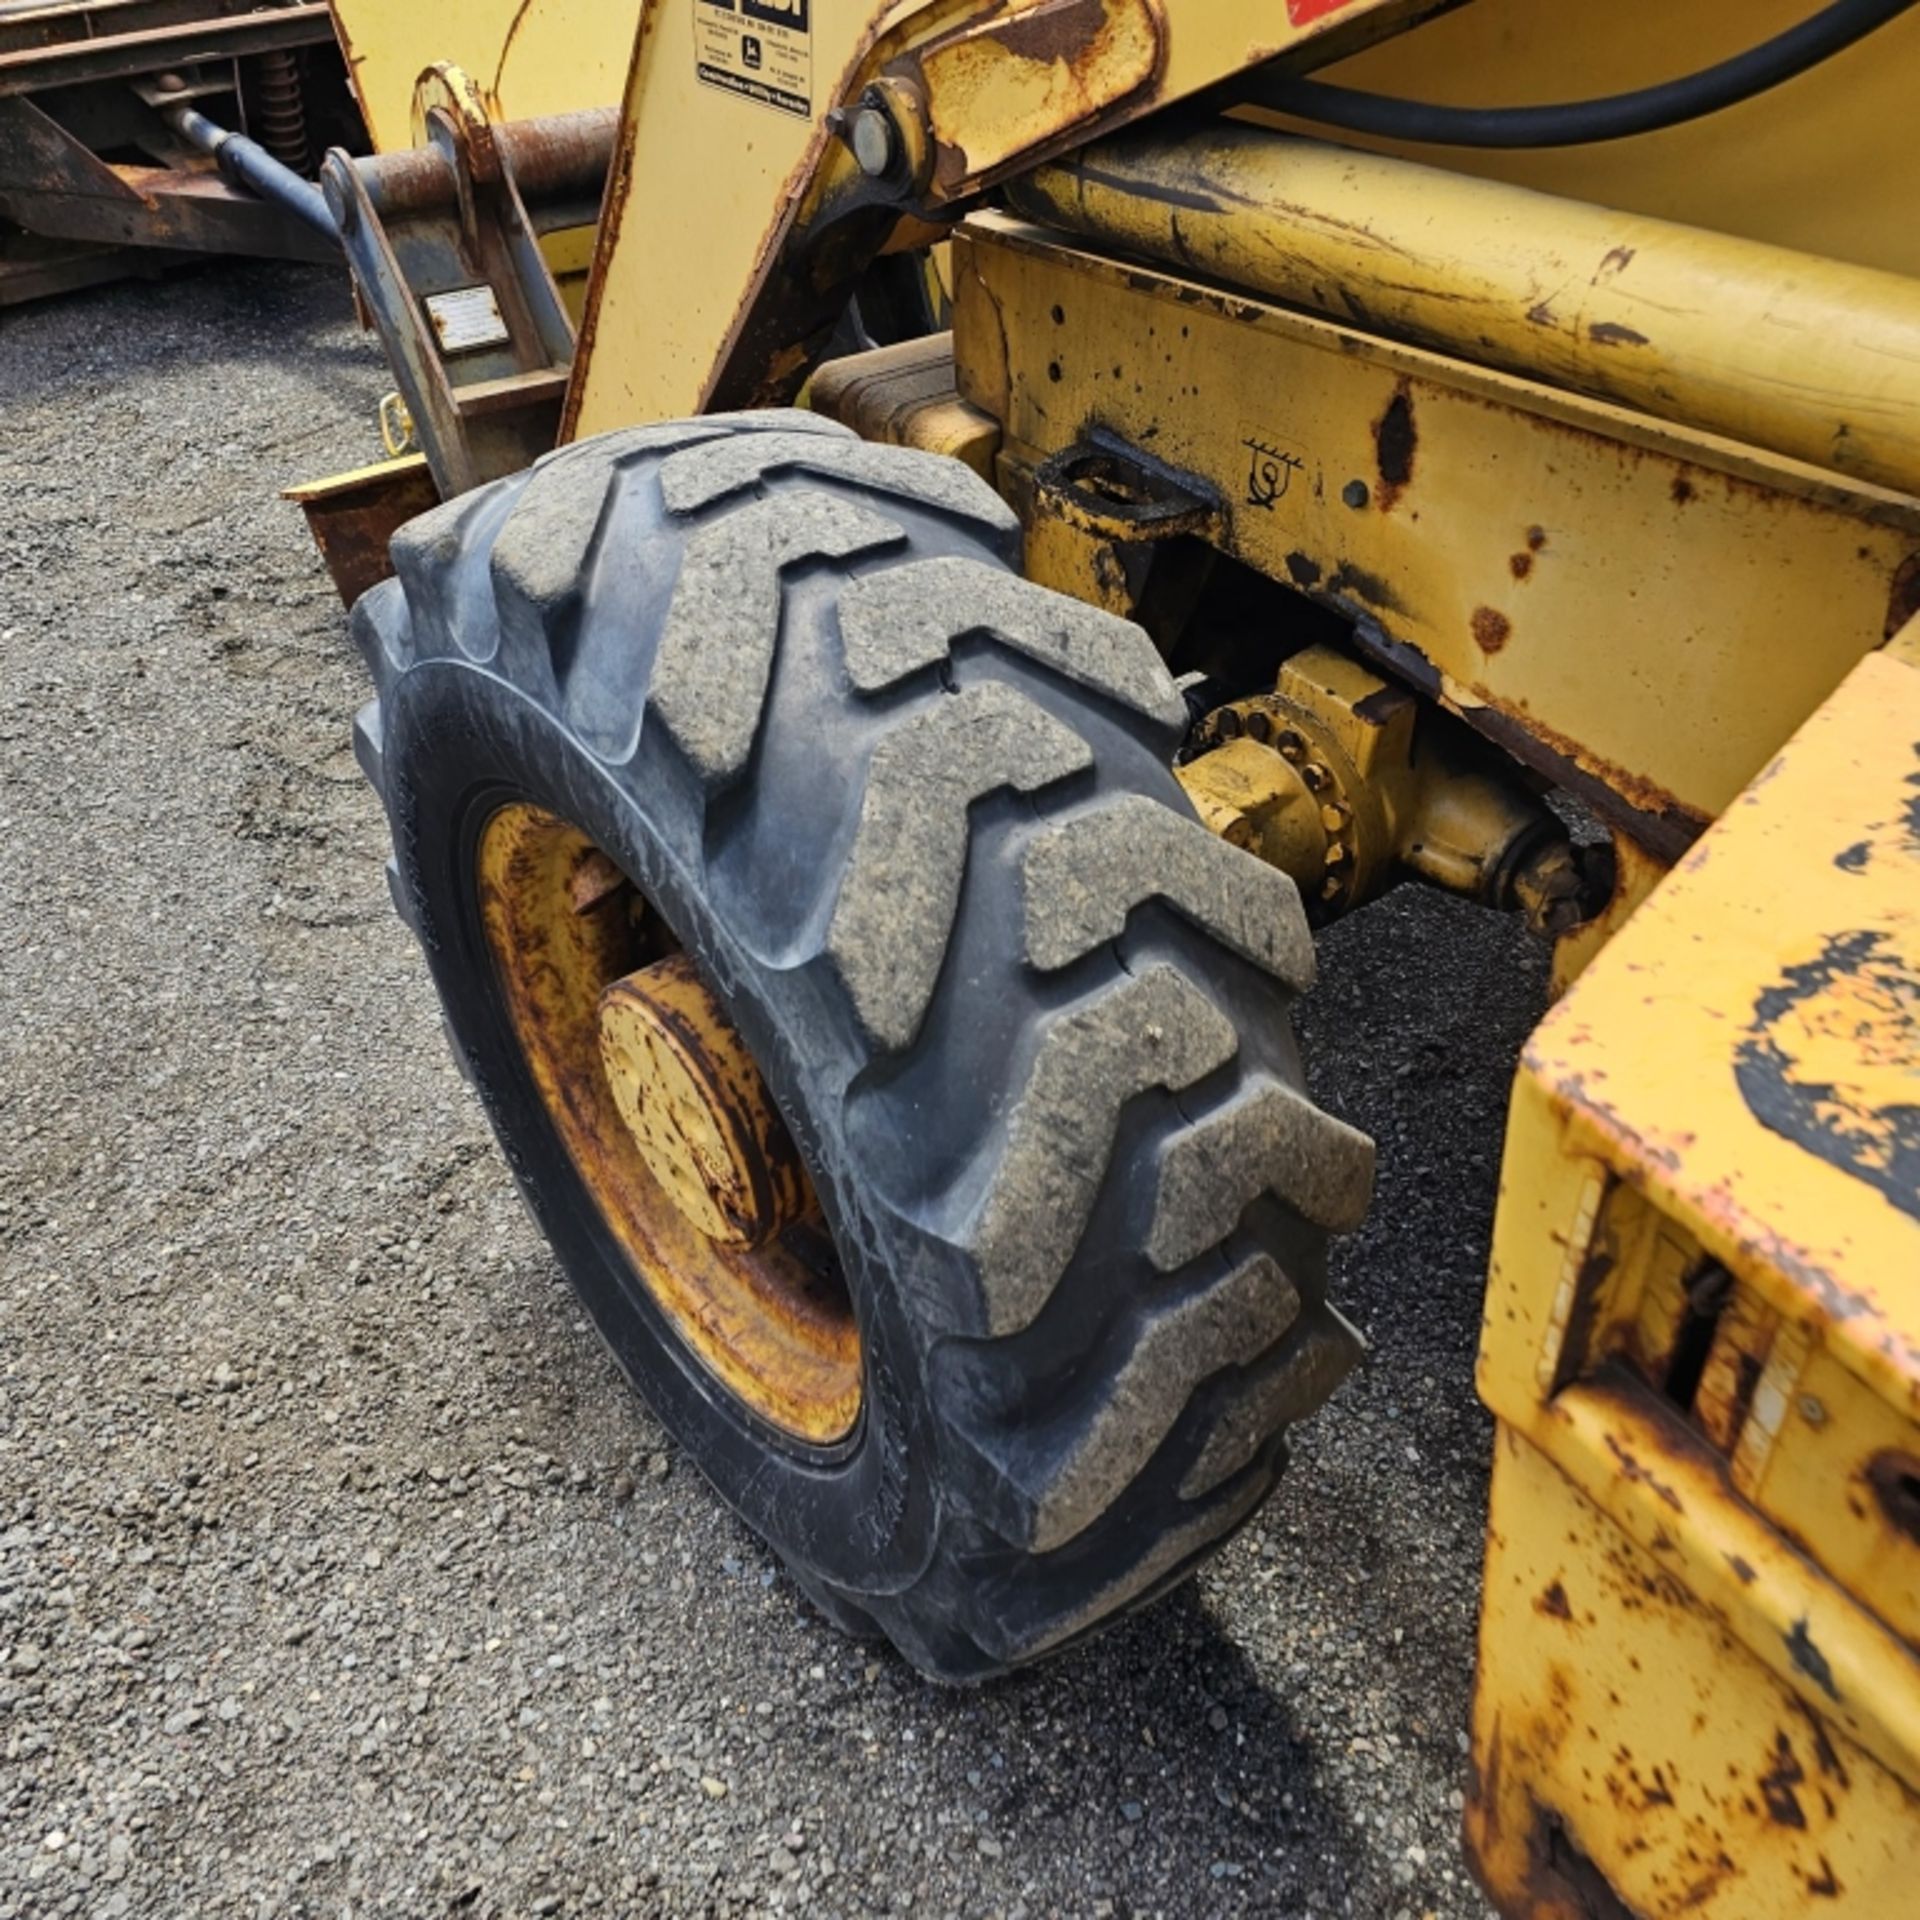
[1084, 877]
[1269, 1139]
[894, 915]
[1156, 1030]
[895, 623]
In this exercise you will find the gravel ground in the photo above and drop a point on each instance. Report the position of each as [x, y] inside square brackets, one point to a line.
[339, 1575]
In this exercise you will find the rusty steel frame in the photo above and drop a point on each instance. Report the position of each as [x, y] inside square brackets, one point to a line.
[354, 516]
[239, 27]
[53, 185]
[1578, 582]
[75, 74]
[449, 218]
[1700, 1675]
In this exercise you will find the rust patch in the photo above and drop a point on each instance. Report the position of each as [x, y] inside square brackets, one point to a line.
[1395, 442]
[1609, 333]
[1561, 1878]
[1633, 1470]
[353, 524]
[1067, 31]
[1778, 1784]
[1650, 814]
[774, 1326]
[1894, 1477]
[1903, 604]
[613, 206]
[1491, 629]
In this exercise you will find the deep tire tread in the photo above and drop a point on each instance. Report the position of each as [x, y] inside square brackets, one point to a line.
[1168, 1271]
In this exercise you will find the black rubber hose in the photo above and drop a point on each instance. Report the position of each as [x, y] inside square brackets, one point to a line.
[248, 164]
[1578, 123]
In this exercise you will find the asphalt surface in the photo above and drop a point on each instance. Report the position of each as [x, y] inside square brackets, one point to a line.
[340, 1575]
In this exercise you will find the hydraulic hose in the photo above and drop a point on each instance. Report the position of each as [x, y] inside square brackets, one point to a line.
[249, 165]
[1578, 123]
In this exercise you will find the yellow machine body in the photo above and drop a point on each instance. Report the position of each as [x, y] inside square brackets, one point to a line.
[1822, 162]
[1608, 458]
[1698, 1673]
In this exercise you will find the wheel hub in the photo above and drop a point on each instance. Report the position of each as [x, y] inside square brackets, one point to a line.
[668, 1124]
[696, 1106]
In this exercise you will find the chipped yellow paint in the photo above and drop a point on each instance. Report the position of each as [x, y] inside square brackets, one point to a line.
[1807, 897]
[681, 276]
[1822, 364]
[1622, 1741]
[1639, 610]
[990, 99]
[1700, 1668]
[772, 1323]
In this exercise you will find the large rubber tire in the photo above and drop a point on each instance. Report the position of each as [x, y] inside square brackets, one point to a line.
[1025, 1017]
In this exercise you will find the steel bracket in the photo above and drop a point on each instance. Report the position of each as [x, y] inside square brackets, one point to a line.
[447, 262]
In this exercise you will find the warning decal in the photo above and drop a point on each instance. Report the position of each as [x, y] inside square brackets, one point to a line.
[760, 48]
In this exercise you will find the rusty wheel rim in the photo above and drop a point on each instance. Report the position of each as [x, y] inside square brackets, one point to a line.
[668, 1126]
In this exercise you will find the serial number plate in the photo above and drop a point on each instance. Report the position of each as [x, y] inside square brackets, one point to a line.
[466, 319]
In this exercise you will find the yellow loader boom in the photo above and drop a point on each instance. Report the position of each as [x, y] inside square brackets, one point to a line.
[956, 535]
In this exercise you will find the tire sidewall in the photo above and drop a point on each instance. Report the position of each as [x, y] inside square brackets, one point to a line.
[862, 1515]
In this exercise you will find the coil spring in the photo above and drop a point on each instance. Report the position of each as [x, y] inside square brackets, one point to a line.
[281, 112]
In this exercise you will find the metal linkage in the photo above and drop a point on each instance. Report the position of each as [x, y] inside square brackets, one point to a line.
[446, 257]
[1345, 782]
[245, 162]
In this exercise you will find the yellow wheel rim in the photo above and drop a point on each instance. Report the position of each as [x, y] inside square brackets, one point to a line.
[667, 1121]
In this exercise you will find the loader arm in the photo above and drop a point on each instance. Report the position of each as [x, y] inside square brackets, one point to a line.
[690, 312]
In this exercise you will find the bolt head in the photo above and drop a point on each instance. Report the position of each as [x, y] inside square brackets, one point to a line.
[871, 136]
